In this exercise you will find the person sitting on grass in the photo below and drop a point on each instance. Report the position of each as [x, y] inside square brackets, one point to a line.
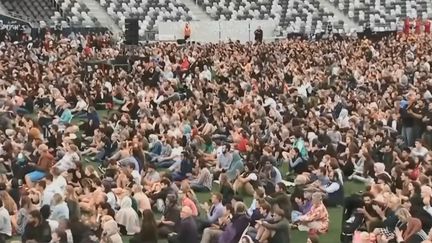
[247, 180]
[275, 230]
[317, 218]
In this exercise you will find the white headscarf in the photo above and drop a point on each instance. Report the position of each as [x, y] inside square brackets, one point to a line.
[343, 119]
[127, 216]
[110, 230]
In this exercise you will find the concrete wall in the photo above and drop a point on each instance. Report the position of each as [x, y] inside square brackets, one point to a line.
[215, 31]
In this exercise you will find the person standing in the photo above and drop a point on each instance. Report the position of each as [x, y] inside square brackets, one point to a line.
[187, 32]
[258, 35]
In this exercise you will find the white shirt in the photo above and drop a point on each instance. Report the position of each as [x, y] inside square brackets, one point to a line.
[333, 187]
[176, 152]
[5, 222]
[49, 192]
[252, 177]
[60, 182]
[270, 102]
[206, 74]
[136, 177]
[81, 105]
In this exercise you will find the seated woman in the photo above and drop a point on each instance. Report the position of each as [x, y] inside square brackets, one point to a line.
[69, 159]
[127, 218]
[247, 181]
[170, 218]
[203, 182]
[185, 168]
[110, 233]
[275, 230]
[151, 177]
[317, 218]
[188, 198]
[141, 198]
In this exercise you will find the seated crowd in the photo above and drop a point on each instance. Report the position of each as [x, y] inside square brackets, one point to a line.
[97, 154]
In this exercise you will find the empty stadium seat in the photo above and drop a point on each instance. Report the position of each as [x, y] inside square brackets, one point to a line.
[49, 12]
[148, 12]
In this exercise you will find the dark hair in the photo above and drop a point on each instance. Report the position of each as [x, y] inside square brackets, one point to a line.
[45, 211]
[282, 186]
[107, 206]
[250, 166]
[37, 214]
[166, 182]
[42, 184]
[49, 177]
[1, 203]
[107, 186]
[148, 226]
[62, 235]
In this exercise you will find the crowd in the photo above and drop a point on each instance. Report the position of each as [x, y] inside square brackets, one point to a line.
[95, 154]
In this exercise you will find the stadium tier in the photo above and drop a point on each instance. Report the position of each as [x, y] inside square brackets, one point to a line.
[149, 13]
[385, 14]
[51, 12]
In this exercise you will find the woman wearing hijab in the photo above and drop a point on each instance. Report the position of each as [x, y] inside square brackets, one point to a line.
[413, 232]
[127, 218]
[381, 175]
[110, 232]
[343, 119]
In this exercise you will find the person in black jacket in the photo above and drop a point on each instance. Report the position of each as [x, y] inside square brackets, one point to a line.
[258, 35]
[36, 229]
[187, 230]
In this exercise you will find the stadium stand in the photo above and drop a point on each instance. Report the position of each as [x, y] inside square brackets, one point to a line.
[149, 13]
[383, 14]
[51, 12]
[298, 16]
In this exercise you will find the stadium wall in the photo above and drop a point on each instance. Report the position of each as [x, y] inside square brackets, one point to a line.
[215, 31]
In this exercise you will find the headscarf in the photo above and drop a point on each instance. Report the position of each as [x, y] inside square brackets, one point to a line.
[414, 225]
[127, 216]
[343, 119]
[111, 231]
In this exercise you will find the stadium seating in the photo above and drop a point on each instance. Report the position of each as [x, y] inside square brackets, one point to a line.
[51, 12]
[383, 14]
[297, 15]
[76, 14]
[148, 12]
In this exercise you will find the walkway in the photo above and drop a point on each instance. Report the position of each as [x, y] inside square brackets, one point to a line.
[102, 16]
[197, 11]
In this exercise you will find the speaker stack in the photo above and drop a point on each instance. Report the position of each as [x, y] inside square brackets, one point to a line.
[131, 33]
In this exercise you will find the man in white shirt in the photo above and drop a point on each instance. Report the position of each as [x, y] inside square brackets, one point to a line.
[5, 223]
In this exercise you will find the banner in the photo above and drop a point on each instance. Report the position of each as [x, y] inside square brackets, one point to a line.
[11, 23]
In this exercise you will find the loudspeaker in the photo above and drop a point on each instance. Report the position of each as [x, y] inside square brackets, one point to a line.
[181, 41]
[131, 33]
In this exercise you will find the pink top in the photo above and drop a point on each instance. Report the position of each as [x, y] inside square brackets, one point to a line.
[189, 203]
